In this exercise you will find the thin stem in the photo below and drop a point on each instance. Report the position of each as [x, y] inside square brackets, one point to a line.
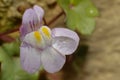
[55, 18]
[8, 32]
[45, 22]
[6, 38]
[42, 75]
[9, 39]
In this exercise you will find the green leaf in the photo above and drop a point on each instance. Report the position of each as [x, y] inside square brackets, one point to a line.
[11, 68]
[80, 15]
[3, 55]
[11, 48]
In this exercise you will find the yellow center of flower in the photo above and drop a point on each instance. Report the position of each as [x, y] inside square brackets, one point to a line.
[37, 35]
[45, 30]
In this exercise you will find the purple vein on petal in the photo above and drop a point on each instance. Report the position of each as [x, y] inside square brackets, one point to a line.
[31, 20]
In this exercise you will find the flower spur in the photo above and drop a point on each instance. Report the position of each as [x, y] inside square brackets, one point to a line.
[42, 46]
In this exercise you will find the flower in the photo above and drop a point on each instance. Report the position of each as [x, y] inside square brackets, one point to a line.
[42, 46]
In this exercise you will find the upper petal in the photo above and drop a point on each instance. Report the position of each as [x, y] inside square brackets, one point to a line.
[30, 58]
[31, 20]
[52, 60]
[65, 40]
[39, 11]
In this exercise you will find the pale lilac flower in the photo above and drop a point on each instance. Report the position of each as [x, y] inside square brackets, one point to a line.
[42, 46]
